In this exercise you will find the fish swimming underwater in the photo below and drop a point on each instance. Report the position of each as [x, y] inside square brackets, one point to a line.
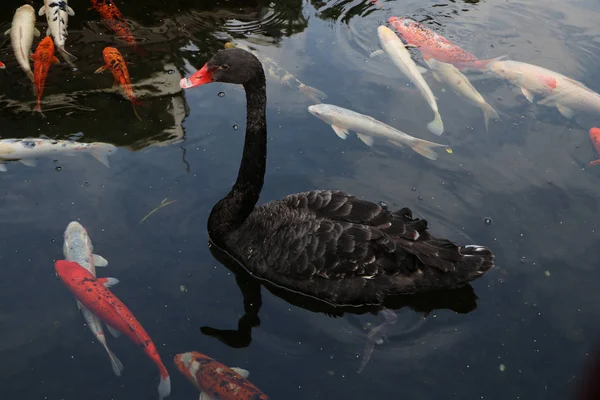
[95, 296]
[114, 61]
[595, 137]
[26, 150]
[281, 75]
[78, 248]
[450, 75]
[216, 381]
[342, 120]
[559, 91]
[22, 31]
[436, 46]
[113, 18]
[43, 58]
[395, 49]
[2, 66]
[376, 335]
[57, 15]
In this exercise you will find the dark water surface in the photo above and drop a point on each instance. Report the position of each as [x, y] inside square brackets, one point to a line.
[525, 330]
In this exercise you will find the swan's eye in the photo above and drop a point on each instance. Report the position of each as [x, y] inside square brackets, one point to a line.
[224, 67]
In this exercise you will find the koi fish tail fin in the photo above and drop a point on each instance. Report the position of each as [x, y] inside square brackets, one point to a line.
[488, 112]
[483, 64]
[425, 148]
[436, 126]
[69, 58]
[101, 152]
[135, 104]
[312, 93]
[164, 387]
[117, 365]
[38, 108]
[592, 163]
[31, 77]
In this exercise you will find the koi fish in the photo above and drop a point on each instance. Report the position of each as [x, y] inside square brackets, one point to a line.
[26, 150]
[93, 293]
[114, 19]
[115, 62]
[450, 75]
[22, 32]
[43, 58]
[57, 15]
[436, 46]
[2, 66]
[78, 248]
[395, 49]
[559, 91]
[215, 380]
[595, 136]
[279, 74]
[376, 336]
[343, 120]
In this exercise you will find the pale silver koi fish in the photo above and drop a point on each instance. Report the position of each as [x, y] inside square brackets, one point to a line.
[78, 248]
[57, 15]
[22, 31]
[397, 52]
[343, 120]
[448, 74]
[26, 150]
[281, 75]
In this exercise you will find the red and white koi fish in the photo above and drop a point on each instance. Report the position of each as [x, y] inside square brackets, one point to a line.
[22, 32]
[595, 136]
[95, 296]
[559, 91]
[436, 46]
[43, 58]
[215, 380]
[114, 61]
[78, 248]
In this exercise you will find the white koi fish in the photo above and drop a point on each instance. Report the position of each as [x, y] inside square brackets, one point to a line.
[342, 120]
[559, 91]
[22, 31]
[395, 49]
[281, 75]
[57, 15]
[78, 248]
[26, 150]
[449, 75]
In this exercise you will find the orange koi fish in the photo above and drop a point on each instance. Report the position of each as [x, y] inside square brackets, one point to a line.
[114, 19]
[43, 58]
[115, 62]
[92, 292]
[435, 46]
[215, 380]
[595, 136]
[2, 66]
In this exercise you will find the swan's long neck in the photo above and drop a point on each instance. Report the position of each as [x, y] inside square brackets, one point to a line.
[231, 211]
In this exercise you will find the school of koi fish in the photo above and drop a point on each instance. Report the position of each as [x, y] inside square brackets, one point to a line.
[447, 62]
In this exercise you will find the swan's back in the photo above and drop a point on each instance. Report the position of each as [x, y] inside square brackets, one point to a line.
[345, 250]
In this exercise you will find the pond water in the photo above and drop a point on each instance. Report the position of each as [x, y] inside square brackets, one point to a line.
[525, 330]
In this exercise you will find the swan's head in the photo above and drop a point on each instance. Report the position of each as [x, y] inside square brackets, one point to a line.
[229, 65]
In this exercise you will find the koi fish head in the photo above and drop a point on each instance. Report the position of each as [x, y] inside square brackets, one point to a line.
[70, 272]
[75, 234]
[188, 365]
[47, 44]
[110, 54]
[403, 22]
[229, 65]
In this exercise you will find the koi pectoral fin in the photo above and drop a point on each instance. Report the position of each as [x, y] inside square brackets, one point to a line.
[244, 373]
[99, 261]
[204, 396]
[113, 331]
[100, 70]
[42, 11]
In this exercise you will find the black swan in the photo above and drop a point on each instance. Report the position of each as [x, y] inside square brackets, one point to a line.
[324, 243]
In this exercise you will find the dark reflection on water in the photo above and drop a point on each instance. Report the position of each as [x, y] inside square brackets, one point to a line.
[522, 331]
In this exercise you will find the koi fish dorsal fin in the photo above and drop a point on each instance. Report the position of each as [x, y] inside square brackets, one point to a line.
[240, 371]
[108, 282]
[55, 60]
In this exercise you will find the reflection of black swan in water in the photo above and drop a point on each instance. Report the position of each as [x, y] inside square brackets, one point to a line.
[462, 300]
[326, 244]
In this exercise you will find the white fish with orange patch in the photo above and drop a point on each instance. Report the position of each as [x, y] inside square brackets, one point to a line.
[559, 91]
[397, 52]
[448, 74]
[78, 247]
[22, 32]
[26, 150]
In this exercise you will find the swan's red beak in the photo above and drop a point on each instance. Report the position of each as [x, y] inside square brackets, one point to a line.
[201, 77]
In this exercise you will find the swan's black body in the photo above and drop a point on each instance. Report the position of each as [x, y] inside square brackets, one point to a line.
[326, 244]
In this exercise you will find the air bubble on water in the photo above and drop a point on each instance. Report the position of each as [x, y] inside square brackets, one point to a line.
[235, 127]
[420, 198]
[86, 184]
[488, 221]
[52, 240]
[414, 189]
[221, 94]
[55, 161]
[59, 168]
[383, 204]
[170, 71]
